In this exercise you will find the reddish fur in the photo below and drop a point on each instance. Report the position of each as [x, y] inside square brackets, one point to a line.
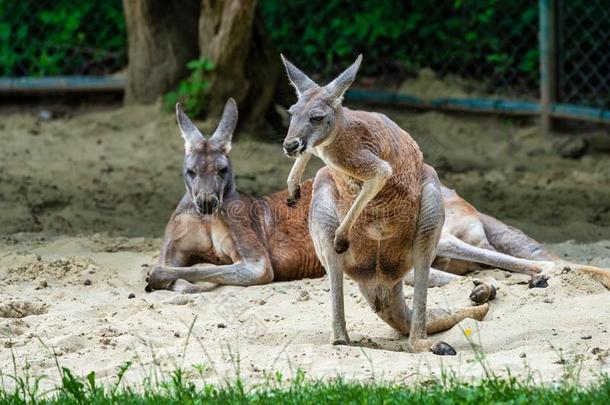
[263, 227]
[288, 241]
[394, 209]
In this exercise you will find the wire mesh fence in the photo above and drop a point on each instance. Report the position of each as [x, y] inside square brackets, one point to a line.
[584, 53]
[61, 37]
[460, 49]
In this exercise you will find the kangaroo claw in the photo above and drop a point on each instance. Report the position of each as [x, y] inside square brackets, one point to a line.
[340, 244]
[160, 279]
[539, 281]
[293, 198]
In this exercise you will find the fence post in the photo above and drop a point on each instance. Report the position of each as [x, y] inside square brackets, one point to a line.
[547, 40]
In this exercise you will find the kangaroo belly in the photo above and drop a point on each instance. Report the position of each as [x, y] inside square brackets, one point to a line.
[385, 260]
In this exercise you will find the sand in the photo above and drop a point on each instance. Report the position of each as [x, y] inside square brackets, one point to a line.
[83, 203]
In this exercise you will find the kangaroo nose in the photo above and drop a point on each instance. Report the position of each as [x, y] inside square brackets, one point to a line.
[207, 206]
[291, 146]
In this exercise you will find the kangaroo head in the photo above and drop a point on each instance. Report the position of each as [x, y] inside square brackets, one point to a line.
[208, 175]
[316, 114]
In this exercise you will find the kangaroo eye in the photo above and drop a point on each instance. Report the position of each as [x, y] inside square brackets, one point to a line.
[317, 118]
[190, 173]
[223, 170]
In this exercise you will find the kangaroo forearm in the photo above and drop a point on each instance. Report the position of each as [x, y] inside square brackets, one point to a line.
[370, 188]
[296, 173]
[239, 274]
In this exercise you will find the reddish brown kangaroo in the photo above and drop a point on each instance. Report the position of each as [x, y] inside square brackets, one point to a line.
[220, 235]
[377, 212]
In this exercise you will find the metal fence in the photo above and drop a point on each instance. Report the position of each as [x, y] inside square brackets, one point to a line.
[583, 50]
[550, 58]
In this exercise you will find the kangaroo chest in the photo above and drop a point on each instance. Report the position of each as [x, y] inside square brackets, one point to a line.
[218, 241]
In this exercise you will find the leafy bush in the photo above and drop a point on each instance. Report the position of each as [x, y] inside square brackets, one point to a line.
[469, 37]
[40, 37]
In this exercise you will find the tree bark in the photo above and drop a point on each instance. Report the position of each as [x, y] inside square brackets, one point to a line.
[162, 38]
[225, 28]
[262, 69]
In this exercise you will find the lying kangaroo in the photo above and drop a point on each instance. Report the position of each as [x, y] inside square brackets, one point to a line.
[377, 212]
[220, 235]
[471, 238]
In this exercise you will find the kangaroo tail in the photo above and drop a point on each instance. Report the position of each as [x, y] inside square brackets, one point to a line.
[512, 241]
[596, 273]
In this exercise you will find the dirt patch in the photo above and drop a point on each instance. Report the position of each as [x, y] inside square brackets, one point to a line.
[19, 308]
[285, 326]
[34, 268]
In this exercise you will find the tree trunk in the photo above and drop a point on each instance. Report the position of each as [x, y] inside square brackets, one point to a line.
[162, 37]
[232, 36]
[262, 69]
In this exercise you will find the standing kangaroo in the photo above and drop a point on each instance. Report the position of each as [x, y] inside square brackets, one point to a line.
[376, 210]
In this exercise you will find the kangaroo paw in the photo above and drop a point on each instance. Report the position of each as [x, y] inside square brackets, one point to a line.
[294, 197]
[539, 281]
[160, 279]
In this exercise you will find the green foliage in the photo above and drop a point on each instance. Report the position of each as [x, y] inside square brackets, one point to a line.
[180, 389]
[470, 37]
[192, 91]
[40, 37]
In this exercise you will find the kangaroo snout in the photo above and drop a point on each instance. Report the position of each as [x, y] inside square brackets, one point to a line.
[207, 205]
[292, 146]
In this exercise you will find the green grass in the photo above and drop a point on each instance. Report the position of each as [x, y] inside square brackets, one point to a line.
[177, 390]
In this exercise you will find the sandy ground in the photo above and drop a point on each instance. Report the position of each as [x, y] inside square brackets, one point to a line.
[83, 201]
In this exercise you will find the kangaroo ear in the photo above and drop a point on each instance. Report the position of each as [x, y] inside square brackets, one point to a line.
[224, 132]
[189, 131]
[337, 87]
[298, 79]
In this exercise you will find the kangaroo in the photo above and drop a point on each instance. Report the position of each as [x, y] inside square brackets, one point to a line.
[376, 209]
[220, 235]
